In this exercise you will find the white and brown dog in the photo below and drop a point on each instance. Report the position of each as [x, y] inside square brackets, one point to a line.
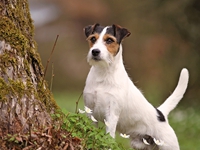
[113, 97]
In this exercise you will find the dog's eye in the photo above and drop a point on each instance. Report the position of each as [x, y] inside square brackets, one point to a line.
[109, 41]
[93, 39]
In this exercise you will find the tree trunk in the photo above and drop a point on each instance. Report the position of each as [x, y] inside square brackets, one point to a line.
[25, 100]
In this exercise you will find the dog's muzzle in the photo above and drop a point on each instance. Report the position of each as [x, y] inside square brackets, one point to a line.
[96, 54]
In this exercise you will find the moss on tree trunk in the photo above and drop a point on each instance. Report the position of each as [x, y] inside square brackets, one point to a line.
[25, 103]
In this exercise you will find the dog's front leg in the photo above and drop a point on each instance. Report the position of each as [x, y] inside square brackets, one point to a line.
[112, 124]
[112, 117]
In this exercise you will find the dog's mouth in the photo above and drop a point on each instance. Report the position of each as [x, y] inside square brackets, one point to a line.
[96, 58]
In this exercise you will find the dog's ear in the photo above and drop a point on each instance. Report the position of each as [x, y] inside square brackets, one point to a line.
[90, 29]
[120, 33]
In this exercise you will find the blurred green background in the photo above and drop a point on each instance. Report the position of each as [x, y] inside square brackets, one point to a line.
[165, 37]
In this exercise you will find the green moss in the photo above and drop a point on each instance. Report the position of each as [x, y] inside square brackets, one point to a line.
[19, 14]
[16, 28]
[12, 35]
[18, 87]
[4, 90]
[6, 59]
[45, 95]
[12, 87]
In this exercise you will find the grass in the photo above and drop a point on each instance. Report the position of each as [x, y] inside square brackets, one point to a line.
[185, 121]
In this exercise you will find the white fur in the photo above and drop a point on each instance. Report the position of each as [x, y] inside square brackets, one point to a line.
[112, 96]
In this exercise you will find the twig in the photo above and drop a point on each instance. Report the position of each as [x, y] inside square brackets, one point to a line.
[45, 71]
[52, 76]
[76, 110]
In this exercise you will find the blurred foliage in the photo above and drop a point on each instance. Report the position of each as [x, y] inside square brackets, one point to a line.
[165, 38]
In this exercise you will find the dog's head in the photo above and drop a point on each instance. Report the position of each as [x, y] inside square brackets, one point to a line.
[104, 42]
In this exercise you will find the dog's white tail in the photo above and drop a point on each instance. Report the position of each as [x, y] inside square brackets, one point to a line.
[177, 95]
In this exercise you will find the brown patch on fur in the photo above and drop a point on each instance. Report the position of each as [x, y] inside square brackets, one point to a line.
[113, 47]
[96, 35]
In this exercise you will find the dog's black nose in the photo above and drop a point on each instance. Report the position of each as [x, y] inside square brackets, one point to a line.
[95, 52]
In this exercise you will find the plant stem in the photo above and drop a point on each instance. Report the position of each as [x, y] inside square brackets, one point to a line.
[45, 71]
[76, 110]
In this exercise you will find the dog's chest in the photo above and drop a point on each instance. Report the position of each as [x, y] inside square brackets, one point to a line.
[97, 102]
[98, 99]
[99, 92]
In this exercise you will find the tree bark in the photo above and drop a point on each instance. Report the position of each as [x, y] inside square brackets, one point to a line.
[25, 100]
